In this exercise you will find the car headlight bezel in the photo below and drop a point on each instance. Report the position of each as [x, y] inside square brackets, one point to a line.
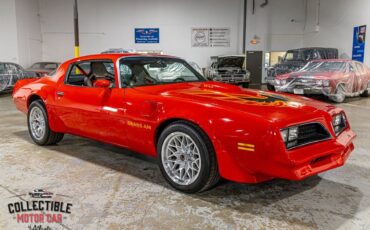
[339, 123]
[290, 136]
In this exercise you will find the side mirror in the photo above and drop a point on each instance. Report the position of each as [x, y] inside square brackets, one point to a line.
[102, 83]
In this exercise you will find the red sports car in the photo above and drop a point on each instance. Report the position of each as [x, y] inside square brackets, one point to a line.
[199, 130]
[334, 78]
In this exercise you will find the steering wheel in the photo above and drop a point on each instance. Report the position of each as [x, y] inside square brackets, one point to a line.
[180, 79]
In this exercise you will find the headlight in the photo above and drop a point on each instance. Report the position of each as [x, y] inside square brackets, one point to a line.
[324, 83]
[277, 82]
[339, 123]
[283, 82]
[290, 136]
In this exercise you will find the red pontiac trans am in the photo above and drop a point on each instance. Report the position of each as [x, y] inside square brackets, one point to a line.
[199, 130]
[334, 78]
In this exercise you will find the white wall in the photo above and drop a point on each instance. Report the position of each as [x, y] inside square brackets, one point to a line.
[8, 38]
[28, 32]
[273, 25]
[337, 19]
[111, 23]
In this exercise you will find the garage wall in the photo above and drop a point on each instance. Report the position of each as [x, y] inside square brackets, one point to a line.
[111, 23]
[28, 32]
[272, 24]
[8, 44]
[336, 21]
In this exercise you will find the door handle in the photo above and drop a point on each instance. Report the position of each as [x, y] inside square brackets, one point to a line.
[60, 94]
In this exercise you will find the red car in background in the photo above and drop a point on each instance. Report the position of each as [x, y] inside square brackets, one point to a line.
[199, 130]
[334, 78]
[43, 68]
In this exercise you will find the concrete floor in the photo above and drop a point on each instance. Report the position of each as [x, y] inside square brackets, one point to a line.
[112, 188]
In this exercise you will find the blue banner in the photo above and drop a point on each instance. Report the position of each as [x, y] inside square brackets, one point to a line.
[146, 35]
[358, 48]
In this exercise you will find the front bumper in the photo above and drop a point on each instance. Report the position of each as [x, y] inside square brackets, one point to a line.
[275, 161]
[232, 78]
[270, 80]
[318, 90]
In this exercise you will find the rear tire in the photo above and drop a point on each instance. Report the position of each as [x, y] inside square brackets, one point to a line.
[186, 158]
[38, 125]
[366, 92]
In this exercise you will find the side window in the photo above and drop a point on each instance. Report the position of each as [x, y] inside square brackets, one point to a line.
[126, 73]
[360, 68]
[86, 73]
[352, 68]
[77, 73]
[2, 68]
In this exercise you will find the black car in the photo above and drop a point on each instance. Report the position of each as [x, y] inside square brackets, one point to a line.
[295, 59]
[10, 73]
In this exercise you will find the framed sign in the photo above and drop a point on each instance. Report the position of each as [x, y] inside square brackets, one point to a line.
[210, 37]
[146, 35]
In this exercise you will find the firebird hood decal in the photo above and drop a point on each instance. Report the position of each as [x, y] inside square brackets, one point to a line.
[260, 99]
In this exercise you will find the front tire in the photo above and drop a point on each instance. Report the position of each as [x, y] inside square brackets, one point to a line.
[270, 87]
[339, 95]
[186, 158]
[366, 92]
[38, 125]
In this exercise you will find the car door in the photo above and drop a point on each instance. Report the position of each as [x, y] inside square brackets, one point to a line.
[351, 81]
[93, 112]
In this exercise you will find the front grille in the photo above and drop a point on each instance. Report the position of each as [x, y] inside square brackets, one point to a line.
[309, 133]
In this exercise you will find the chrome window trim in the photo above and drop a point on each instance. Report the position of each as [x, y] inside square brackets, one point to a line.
[142, 56]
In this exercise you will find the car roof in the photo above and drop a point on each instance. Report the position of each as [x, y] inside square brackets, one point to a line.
[312, 48]
[46, 62]
[117, 56]
[332, 60]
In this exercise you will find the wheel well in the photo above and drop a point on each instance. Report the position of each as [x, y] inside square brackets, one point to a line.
[166, 123]
[33, 98]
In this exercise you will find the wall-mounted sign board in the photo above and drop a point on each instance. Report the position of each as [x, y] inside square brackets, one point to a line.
[146, 35]
[210, 37]
[358, 48]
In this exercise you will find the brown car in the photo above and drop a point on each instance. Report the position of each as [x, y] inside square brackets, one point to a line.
[43, 68]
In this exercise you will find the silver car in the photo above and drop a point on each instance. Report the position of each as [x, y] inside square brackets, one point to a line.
[229, 69]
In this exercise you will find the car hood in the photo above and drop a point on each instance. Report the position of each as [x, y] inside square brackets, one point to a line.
[267, 105]
[230, 62]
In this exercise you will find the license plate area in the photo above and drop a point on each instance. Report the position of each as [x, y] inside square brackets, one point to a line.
[298, 91]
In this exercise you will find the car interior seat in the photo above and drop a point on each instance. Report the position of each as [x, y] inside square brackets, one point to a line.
[98, 71]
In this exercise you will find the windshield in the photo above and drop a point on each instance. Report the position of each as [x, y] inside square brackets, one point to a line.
[324, 67]
[42, 65]
[300, 55]
[140, 71]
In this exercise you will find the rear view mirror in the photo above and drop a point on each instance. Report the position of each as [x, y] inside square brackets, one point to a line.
[102, 83]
